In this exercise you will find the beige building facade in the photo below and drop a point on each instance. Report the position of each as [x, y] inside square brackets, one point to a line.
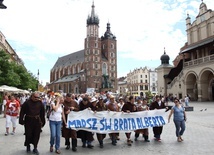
[138, 81]
[193, 70]
[5, 46]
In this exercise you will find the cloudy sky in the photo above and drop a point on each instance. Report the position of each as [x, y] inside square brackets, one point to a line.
[40, 31]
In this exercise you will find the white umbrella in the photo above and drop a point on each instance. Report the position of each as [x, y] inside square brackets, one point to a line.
[9, 89]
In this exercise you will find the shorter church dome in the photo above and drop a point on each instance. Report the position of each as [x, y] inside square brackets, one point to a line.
[164, 58]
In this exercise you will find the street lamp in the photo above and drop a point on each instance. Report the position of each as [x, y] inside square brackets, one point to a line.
[2, 6]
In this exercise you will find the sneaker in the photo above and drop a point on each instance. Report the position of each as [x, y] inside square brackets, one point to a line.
[158, 139]
[6, 133]
[35, 151]
[146, 140]
[135, 138]
[13, 133]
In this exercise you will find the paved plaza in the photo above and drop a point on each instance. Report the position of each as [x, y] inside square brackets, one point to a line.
[198, 139]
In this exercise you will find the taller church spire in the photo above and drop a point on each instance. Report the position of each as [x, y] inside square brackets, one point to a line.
[93, 18]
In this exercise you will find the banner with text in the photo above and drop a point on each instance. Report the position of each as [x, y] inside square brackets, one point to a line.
[108, 121]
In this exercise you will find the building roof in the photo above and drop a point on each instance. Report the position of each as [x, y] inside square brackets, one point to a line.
[175, 71]
[198, 44]
[70, 59]
[67, 78]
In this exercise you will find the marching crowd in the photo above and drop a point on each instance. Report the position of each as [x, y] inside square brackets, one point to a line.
[34, 111]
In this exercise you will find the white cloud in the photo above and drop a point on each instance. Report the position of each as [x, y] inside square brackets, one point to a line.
[55, 28]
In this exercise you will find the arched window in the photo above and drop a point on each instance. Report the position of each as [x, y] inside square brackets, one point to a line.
[112, 46]
[104, 69]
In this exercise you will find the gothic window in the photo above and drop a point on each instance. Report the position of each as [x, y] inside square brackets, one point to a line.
[104, 46]
[104, 69]
[112, 46]
[112, 54]
[95, 45]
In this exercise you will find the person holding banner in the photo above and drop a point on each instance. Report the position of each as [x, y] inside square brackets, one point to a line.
[113, 106]
[86, 136]
[179, 119]
[69, 105]
[129, 107]
[55, 121]
[157, 104]
[98, 106]
[142, 107]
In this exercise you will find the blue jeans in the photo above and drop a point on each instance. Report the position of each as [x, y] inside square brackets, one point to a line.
[55, 129]
[180, 127]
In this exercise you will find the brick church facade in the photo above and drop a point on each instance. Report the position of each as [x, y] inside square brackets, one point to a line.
[93, 67]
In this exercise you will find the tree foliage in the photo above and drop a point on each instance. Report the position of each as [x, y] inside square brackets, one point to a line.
[16, 75]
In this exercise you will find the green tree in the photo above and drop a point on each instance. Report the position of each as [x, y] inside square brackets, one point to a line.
[16, 75]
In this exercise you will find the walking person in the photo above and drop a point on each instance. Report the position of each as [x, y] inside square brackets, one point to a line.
[32, 116]
[129, 107]
[113, 106]
[157, 104]
[55, 121]
[142, 107]
[86, 136]
[67, 133]
[179, 118]
[11, 114]
[98, 106]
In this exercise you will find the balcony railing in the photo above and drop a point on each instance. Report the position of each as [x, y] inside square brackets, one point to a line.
[199, 61]
[191, 63]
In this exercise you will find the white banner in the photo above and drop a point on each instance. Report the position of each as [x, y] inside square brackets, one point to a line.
[108, 121]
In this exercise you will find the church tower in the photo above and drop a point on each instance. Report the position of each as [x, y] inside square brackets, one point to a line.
[92, 52]
[162, 72]
[109, 57]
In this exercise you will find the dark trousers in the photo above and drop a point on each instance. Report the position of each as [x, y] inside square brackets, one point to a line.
[157, 131]
[73, 141]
